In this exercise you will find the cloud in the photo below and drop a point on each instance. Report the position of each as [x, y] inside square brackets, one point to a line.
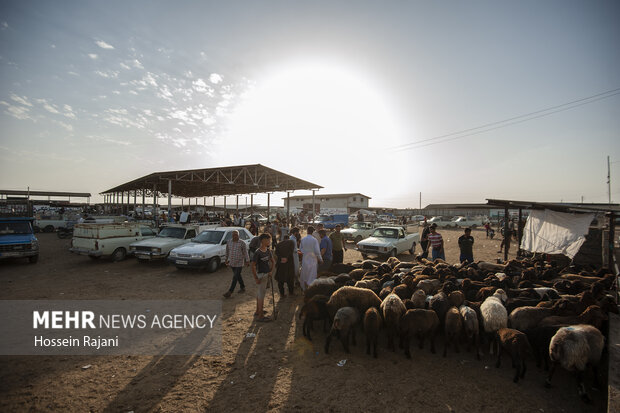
[21, 100]
[69, 111]
[73, 73]
[215, 78]
[4, 25]
[108, 74]
[50, 108]
[104, 45]
[53, 46]
[63, 124]
[137, 64]
[201, 86]
[124, 66]
[18, 112]
[93, 56]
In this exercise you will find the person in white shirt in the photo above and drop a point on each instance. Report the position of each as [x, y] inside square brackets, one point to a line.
[311, 257]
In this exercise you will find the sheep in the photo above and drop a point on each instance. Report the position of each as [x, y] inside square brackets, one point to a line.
[419, 324]
[456, 298]
[419, 299]
[343, 327]
[548, 292]
[393, 262]
[574, 348]
[524, 318]
[439, 303]
[370, 284]
[372, 324]
[320, 286]
[471, 328]
[453, 329]
[314, 309]
[592, 315]
[357, 274]
[385, 291]
[403, 291]
[539, 338]
[494, 315]
[517, 345]
[429, 286]
[392, 309]
[347, 296]
[409, 305]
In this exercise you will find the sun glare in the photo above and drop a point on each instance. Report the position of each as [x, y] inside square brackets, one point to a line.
[314, 107]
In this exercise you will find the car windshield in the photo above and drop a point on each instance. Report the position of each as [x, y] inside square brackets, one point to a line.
[357, 226]
[385, 233]
[209, 237]
[172, 232]
[7, 228]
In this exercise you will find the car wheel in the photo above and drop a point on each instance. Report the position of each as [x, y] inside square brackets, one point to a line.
[393, 253]
[412, 250]
[214, 264]
[48, 228]
[358, 239]
[33, 259]
[119, 254]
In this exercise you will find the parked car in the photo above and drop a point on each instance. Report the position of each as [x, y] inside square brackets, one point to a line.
[440, 221]
[208, 249]
[50, 225]
[170, 237]
[109, 239]
[358, 231]
[17, 239]
[388, 241]
[464, 222]
[330, 221]
[257, 217]
[418, 218]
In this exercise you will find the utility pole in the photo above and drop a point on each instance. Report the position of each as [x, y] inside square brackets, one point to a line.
[608, 180]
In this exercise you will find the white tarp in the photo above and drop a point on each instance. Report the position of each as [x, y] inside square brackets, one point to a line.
[553, 232]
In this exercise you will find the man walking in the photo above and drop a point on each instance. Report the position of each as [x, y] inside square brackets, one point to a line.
[338, 245]
[466, 245]
[316, 233]
[326, 251]
[262, 266]
[436, 243]
[236, 257]
[424, 240]
[311, 256]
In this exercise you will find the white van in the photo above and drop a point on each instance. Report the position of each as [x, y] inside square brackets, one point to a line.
[108, 239]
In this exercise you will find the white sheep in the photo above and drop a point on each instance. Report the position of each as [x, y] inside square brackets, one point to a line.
[392, 309]
[471, 328]
[574, 348]
[419, 299]
[494, 314]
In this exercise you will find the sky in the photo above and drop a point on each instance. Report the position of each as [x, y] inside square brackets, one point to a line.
[94, 94]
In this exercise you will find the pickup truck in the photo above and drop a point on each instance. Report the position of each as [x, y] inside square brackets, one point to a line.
[108, 239]
[170, 237]
[464, 222]
[330, 221]
[51, 225]
[388, 241]
[358, 231]
[208, 249]
[440, 221]
[17, 238]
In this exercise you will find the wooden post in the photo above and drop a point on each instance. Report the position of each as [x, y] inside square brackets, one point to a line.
[506, 233]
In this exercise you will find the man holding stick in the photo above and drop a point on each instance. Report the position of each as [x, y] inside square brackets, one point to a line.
[262, 267]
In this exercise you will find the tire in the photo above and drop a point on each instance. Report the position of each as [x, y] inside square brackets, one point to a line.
[119, 254]
[358, 239]
[48, 228]
[94, 257]
[213, 265]
[393, 253]
[33, 259]
[412, 249]
[63, 234]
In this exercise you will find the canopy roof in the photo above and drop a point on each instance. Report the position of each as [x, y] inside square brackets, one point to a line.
[231, 180]
[554, 206]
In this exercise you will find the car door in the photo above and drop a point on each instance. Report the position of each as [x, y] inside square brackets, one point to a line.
[402, 241]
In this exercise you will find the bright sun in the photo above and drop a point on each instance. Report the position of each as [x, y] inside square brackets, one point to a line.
[310, 104]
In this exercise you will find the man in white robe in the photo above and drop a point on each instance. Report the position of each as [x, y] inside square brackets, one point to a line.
[311, 257]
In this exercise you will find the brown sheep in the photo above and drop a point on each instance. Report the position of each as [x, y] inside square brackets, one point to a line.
[372, 325]
[392, 309]
[403, 291]
[517, 345]
[456, 298]
[453, 328]
[314, 309]
[346, 296]
[420, 324]
[592, 315]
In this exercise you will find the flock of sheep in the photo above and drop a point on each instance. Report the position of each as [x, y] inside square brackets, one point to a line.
[523, 308]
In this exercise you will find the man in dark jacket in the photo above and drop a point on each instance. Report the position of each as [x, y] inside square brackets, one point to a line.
[285, 267]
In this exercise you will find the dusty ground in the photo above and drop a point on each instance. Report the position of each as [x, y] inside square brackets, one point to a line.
[292, 374]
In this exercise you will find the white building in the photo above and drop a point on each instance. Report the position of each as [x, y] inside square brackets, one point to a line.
[348, 203]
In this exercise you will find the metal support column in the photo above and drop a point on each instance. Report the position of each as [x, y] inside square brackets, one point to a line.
[268, 206]
[169, 197]
[155, 215]
[135, 194]
[225, 210]
[122, 201]
[610, 247]
[505, 234]
[519, 232]
[237, 206]
[143, 204]
[251, 203]
[288, 206]
[313, 204]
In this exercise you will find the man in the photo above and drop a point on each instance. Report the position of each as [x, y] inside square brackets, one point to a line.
[338, 245]
[296, 238]
[311, 255]
[326, 248]
[466, 245]
[285, 270]
[262, 266]
[436, 243]
[360, 216]
[507, 237]
[236, 257]
[424, 240]
[316, 234]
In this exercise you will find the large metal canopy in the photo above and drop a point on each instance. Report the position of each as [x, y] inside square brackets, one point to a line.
[232, 180]
[554, 206]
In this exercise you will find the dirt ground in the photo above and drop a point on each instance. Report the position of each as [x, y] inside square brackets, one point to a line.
[291, 373]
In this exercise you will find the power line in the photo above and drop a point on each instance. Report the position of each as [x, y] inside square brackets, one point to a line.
[507, 122]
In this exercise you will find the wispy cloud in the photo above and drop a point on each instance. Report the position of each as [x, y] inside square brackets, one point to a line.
[20, 99]
[137, 64]
[215, 78]
[93, 56]
[125, 66]
[64, 125]
[4, 25]
[108, 74]
[104, 45]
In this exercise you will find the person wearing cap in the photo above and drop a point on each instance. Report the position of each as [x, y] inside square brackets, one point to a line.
[424, 239]
[337, 240]
[436, 243]
[466, 245]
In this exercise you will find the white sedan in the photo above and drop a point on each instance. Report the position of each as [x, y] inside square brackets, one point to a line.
[358, 231]
[388, 241]
[208, 249]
